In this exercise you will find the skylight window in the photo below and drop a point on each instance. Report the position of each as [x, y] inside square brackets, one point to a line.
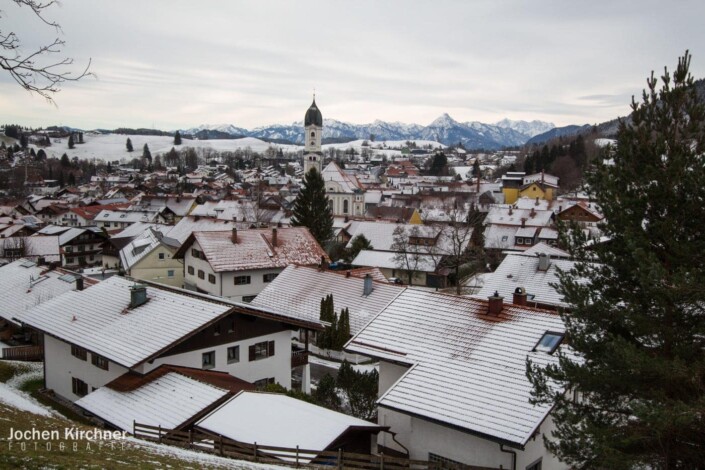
[68, 278]
[549, 342]
[28, 264]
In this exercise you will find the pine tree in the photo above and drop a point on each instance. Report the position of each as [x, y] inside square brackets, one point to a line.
[24, 141]
[638, 311]
[41, 155]
[65, 162]
[128, 145]
[71, 142]
[177, 138]
[146, 154]
[312, 208]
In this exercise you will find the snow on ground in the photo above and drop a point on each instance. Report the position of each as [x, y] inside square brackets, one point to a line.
[110, 147]
[113, 146]
[605, 142]
[11, 395]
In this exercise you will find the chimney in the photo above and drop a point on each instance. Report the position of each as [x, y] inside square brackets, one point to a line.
[138, 295]
[79, 283]
[347, 273]
[532, 213]
[367, 286]
[274, 237]
[510, 210]
[323, 264]
[544, 262]
[519, 296]
[495, 304]
[537, 201]
[41, 261]
[233, 236]
[523, 222]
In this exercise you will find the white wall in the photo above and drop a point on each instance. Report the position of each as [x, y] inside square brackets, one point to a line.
[277, 366]
[61, 367]
[225, 281]
[422, 437]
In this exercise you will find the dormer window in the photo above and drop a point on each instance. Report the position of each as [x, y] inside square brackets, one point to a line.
[549, 342]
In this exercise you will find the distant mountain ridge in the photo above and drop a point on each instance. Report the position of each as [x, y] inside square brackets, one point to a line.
[446, 130]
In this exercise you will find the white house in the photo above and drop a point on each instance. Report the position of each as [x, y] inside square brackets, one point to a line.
[95, 335]
[239, 264]
[452, 379]
[344, 191]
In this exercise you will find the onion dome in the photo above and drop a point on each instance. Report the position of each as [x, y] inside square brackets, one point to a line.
[313, 116]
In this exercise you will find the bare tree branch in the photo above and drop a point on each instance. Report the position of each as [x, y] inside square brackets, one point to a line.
[31, 70]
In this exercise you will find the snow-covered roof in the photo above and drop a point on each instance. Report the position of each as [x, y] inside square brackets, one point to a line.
[521, 270]
[348, 183]
[299, 290]
[467, 368]
[186, 226]
[125, 217]
[386, 259]
[99, 319]
[169, 401]
[255, 249]
[271, 419]
[506, 215]
[551, 251]
[138, 228]
[381, 234]
[34, 247]
[140, 247]
[24, 285]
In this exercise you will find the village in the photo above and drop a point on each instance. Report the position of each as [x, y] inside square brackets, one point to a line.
[167, 305]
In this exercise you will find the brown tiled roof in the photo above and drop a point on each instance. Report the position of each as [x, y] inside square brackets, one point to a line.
[133, 380]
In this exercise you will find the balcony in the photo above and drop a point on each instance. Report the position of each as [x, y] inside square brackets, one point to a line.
[299, 358]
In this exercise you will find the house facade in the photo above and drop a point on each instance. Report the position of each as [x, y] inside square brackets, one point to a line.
[452, 379]
[239, 264]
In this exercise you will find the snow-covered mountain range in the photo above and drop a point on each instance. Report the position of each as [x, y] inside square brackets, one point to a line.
[446, 130]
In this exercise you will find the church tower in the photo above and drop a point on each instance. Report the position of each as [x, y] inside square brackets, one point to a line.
[313, 133]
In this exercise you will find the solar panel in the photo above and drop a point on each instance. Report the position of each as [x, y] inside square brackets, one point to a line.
[68, 278]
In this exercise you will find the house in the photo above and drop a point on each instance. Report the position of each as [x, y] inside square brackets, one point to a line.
[95, 335]
[299, 290]
[169, 396]
[118, 241]
[36, 249]
[452, 379]
[518, 184]
[415, 269]
[80, 246]
[240, 263]
[150, 257]
[121, 219]
[25, 284]
[271, 419]
[534, 272]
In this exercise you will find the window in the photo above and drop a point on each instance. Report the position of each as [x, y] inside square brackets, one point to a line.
[345, 206]
[69, 249]
[269, 277]
[79, 387]
[211, 278]
[549, 342]
[248, 298]
[216, 330]
[99, 361]
[519, 241]
[195, 253]
[241, 280]
[233, 354]
[79, 352]
[190, 270]
[208, 360]
[261, 350]
[262, 383]
[534, 466]
[444, 462]
[201, 274]
[161, 256]
[170, 273]
[505, 238]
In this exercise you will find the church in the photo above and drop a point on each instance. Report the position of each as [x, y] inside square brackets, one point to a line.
[343, 190]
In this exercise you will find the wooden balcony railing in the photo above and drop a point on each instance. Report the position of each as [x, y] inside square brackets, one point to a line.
[299, 358]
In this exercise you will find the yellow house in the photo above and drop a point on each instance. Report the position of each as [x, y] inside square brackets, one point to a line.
[540, 185]
[150, 257]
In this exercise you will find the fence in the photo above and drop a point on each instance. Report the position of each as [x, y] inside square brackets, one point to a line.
[296, 457]
[23, 353]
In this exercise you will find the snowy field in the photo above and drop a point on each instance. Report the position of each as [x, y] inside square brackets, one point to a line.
[111, 147]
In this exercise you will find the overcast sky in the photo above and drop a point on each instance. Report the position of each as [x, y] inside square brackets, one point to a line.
[177, 64]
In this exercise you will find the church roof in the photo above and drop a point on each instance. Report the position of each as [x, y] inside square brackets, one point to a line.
[313, 116]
